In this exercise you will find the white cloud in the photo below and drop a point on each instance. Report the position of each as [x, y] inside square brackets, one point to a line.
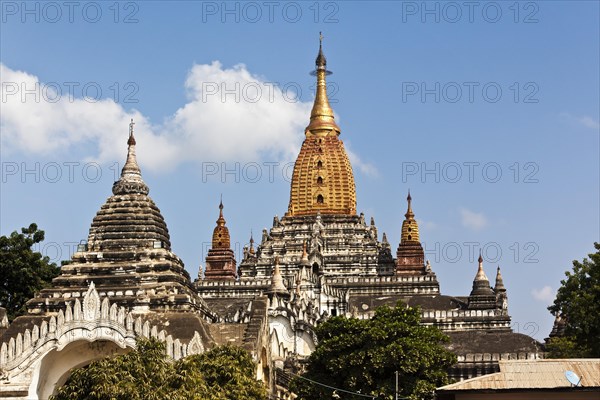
[585, 121]
[473, 220]
[364, 167]
[257, 122]
[427, 225]
[545, 294]
[589, 122]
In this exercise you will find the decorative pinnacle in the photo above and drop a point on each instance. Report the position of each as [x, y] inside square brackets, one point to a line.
[321, 61]
[409, 212]
[499, 281]
[481, 276]
[131, 140]
[221, 220]
[251, 242]
[321, 116]
[277, 285]
[131, 176]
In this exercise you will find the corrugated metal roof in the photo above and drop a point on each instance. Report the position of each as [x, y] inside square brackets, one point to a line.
[534, 374]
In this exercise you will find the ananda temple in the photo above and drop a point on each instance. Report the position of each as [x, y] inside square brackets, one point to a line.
[321, 259]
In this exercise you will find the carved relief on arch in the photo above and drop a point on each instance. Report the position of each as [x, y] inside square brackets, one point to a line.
[195, 345]
[91, 303]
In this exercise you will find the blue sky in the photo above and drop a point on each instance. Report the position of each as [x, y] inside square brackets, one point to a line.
[487, 111]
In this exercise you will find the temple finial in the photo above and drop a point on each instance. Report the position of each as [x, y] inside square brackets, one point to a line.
[321, 60]
[221, 220]
[221, 238]
[499, 281]
[410, 228]
[131, 176]
[321, 117]
[409, 212]
[131, 140]
[481, 276]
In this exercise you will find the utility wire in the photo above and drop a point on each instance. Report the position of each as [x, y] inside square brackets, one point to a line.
[342, 390]
[334, 388]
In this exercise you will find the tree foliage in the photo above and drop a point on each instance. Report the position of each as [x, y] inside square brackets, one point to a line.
[578, 303]
[147, 373]
[23, 271]
[363, 356]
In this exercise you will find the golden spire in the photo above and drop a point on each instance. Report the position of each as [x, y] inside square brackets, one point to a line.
[322, 180]
[322, 120]
[410, 228]
[221, 239]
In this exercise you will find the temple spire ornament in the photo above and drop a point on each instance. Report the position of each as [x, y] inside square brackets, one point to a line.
[410, 228]
[501, 295]
[410, 256]
[409, 212]
[277, 286]
[221, 238]
[499, 286]
[322, 120]
[220, 261]
[131, 181]
[481, 276]
[251, 250]
[482, 295]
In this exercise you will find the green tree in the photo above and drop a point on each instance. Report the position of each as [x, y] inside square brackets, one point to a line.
[23, 271]
[147, 373]
[578, 303]
[364, 355]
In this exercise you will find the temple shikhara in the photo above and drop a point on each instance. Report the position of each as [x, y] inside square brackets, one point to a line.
[321, 259]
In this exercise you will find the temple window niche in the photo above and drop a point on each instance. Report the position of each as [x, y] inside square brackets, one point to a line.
[320, 180]
[319, 164]
[320, 199]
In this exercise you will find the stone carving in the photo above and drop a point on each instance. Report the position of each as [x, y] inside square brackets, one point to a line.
[91, 303]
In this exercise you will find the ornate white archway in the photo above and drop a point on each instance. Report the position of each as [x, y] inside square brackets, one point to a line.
[36, 361]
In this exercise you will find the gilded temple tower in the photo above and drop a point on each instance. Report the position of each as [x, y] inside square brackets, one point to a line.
[410, 255]
[322, 181]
